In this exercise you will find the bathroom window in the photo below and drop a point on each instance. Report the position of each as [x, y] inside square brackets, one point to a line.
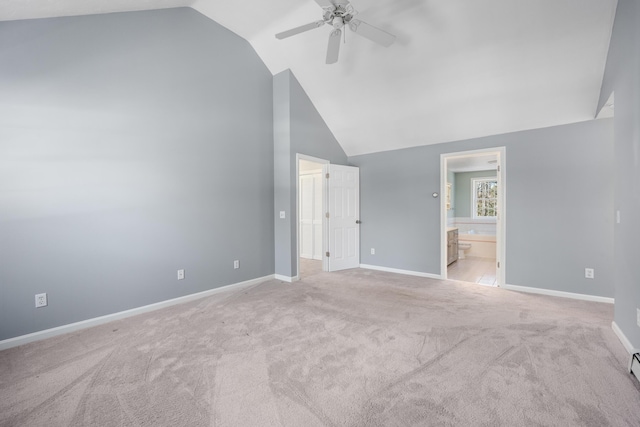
[485, 197]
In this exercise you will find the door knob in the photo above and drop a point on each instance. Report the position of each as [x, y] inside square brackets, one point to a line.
[358, 221]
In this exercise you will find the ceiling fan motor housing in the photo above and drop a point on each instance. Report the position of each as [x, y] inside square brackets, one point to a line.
[339, 15]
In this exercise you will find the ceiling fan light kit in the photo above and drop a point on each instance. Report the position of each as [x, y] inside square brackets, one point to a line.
[339, 13]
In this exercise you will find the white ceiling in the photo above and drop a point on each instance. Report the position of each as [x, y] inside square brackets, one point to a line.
[470, 163]
[459, 68]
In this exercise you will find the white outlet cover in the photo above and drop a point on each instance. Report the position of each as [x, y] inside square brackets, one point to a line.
[282, 215]
[236, 264]
[41, 300]
[180, 274]
[589, 273]
[373, 251]
[638, 316]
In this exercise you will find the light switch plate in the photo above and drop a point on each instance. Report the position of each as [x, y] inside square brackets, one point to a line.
[282, 215]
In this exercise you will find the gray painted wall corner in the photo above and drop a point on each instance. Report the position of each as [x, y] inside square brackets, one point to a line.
[281, 176]
[622, 76]
[118, 141]
[302, 130]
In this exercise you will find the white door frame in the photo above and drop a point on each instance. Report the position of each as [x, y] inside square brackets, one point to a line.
[325, 230]
[502, 214]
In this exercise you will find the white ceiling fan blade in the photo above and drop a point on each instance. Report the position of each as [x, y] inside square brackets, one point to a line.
[372, 33]
[324, 3]
[331, 4]
[334, 46]
[300, 29]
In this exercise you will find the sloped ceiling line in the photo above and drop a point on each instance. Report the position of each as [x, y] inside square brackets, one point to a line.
[460, 69]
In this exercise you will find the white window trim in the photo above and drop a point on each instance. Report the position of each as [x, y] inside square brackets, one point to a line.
[473, 192]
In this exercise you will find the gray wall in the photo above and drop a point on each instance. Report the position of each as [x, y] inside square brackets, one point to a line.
[623, 76]
[298, 128]
[463, 190]
[558, 207]
[131, 145]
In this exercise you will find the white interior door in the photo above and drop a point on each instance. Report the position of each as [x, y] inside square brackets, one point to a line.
[310, 216]
[344, 217]
[306, 216]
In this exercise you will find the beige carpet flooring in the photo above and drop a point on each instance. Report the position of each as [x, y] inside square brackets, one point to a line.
[355, 348]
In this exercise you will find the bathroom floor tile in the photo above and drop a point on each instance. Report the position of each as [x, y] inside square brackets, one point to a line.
[474, 270]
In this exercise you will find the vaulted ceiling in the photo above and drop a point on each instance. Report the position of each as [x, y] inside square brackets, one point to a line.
[458, 69]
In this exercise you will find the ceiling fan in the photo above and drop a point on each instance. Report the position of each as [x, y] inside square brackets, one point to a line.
[340, 13]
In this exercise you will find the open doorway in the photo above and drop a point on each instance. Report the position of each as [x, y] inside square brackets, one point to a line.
[311, 199]
[327, 216]
[473, 216]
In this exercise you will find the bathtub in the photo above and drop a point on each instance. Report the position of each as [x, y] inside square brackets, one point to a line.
[482, 245]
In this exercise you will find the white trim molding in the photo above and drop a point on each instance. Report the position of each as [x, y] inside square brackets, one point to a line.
[623, 338]
[72, 327]
[286, 278]
[549, 292]
[396, 270]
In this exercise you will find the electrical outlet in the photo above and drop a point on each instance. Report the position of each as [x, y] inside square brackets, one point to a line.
[236, 264]
[638, 316]
[588, 273]
[282, 215]
[41, 300]
[181, 274]
[373, 251]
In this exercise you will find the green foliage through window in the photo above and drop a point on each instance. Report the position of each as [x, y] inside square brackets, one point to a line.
[485, 197]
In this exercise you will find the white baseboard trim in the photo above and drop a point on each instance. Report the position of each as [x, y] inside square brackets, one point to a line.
[623, 338]
[287, 279]
[396, 270]
[72, 327]
[562, 294]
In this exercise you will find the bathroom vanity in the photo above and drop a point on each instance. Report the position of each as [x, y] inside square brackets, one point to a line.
[452, 245]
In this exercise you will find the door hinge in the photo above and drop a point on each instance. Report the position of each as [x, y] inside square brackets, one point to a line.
[498, 264]
[498, 168]
[327, 215]
[328, 254]
[327, 175]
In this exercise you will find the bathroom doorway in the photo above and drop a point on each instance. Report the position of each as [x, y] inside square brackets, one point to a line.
[473, 216]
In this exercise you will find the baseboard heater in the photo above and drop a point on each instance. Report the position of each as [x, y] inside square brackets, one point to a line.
[634, 365]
